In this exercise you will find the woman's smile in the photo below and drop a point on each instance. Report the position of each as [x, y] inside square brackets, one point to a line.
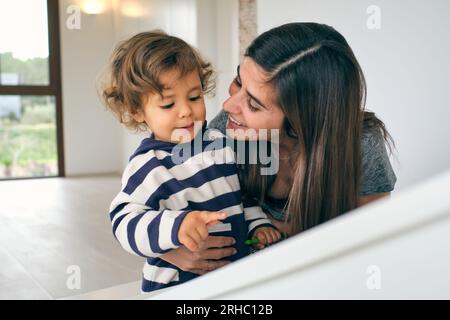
[232, 123]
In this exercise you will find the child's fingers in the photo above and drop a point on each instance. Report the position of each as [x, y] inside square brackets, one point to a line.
[202, 232]
[269, 235]
[261, 236]
[196, 236]
[260, 246]
[276, 235]
[261, 240]
[212, 223]
[209, 216]
[273, 233]
[189, 243]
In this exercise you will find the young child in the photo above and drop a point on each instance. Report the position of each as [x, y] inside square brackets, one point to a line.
[157, 83]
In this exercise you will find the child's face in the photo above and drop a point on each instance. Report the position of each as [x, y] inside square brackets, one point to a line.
[171, 117]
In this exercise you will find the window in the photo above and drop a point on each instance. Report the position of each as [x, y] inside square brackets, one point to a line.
[31, 142]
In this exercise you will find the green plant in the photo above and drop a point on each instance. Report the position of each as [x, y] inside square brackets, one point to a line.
[38, 114]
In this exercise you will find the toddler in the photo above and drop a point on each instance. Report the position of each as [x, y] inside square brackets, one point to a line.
[157, 83]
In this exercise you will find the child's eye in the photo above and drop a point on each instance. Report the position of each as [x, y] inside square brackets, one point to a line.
[194, 98]
[168, 106]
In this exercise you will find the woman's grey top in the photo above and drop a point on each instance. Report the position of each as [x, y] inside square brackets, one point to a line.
[377, 175]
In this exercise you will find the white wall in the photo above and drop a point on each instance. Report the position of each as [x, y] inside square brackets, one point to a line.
[218, 41]
[406, 66]
[92, 139]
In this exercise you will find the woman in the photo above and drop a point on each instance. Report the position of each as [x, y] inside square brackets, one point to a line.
[303, 79]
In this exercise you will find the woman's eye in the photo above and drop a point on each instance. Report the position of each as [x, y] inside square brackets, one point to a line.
[168, 106]
[250, 106]
[237, 82]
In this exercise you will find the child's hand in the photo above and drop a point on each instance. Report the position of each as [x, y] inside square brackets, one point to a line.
[266, 236]
[193, 229]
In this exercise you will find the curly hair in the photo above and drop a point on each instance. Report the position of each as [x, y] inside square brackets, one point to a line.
[136, 66]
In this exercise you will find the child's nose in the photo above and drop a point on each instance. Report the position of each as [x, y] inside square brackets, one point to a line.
[185, 110]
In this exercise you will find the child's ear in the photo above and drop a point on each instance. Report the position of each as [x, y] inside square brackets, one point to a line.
[138, 116]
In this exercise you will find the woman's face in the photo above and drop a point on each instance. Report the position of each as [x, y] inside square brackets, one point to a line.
[252, 104]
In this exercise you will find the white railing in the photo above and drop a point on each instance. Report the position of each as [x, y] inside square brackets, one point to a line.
[393, 248]
[397, 248]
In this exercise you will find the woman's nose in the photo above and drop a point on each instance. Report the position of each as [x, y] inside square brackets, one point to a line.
[234, 103]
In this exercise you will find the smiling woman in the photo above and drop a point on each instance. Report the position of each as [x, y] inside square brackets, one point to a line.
[304, 80]
[252, 104]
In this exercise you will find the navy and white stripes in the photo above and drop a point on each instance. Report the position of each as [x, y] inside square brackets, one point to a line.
[156, 195]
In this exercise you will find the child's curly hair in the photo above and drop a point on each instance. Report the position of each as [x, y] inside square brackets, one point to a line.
[136, 65]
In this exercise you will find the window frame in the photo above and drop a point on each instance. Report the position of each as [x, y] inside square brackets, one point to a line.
[54, 87]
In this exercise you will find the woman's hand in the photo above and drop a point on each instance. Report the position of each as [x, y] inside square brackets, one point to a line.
[205, 259]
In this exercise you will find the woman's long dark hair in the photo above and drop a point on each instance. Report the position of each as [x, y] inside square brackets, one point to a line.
[322, 91]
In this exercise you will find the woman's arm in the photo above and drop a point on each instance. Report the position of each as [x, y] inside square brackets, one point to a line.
[377, 176]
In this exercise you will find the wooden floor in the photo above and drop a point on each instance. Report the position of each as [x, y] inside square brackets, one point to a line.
[49, 225]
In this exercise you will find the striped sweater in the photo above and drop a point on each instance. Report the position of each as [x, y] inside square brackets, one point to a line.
[157, 193]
